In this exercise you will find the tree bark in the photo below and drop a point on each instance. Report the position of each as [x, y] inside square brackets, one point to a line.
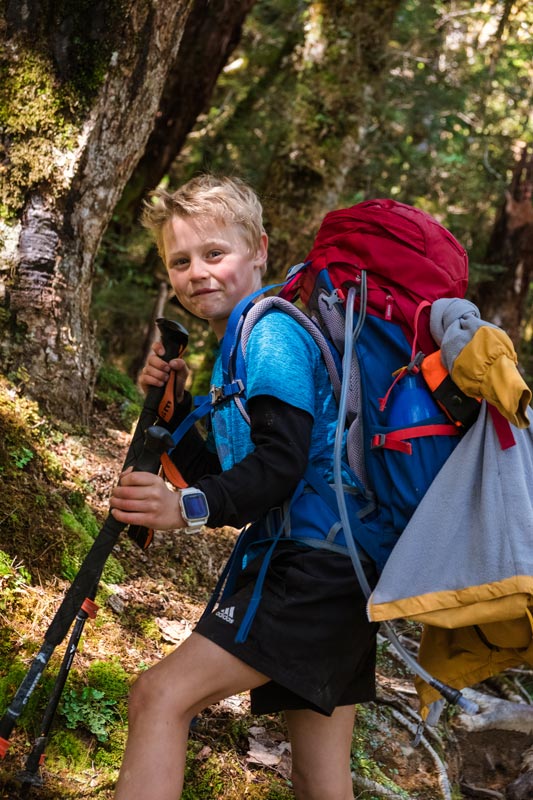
[211, 33]
[502, 298]
[60, 207]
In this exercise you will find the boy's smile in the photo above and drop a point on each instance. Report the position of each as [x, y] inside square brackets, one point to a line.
[211, 267]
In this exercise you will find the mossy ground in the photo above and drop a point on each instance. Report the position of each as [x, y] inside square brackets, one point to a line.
[55, 488]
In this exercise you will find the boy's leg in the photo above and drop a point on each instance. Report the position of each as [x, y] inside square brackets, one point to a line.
[321, 753]
[162, 704]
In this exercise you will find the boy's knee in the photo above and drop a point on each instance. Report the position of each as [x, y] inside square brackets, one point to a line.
[313, 787]
[141, 697]
[151, 695]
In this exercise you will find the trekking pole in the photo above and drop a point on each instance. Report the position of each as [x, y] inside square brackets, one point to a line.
[30, 776]
[143, 454]
[157, 442]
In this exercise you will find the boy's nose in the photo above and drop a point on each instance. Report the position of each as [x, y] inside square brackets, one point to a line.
[198, 269]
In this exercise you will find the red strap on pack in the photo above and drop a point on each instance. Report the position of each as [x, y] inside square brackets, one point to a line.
[412, 367]
[4, 747]
[395, 440]
[502, 427]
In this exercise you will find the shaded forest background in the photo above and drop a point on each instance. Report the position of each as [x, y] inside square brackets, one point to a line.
[318, 105]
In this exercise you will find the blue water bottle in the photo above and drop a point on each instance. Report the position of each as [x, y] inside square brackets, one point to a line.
[411, 402]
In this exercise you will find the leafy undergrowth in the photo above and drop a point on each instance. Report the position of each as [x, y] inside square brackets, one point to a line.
[55, 485]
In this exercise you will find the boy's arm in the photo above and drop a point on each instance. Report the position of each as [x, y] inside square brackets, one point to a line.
[269, 475]
[264, 479]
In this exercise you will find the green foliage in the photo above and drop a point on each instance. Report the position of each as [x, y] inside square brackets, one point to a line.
[13, 572]
[114, 388]
[364, 742]
[110, 678]
[21, 456]
[13, 578]
[89, 708]
[66, 751]
[445, 123]
[110, 753]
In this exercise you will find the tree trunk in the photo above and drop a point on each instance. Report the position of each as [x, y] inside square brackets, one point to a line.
[82, 87]
[211, 32]
[502, 299]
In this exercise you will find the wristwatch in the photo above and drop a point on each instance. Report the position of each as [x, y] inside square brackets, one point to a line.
[194, 508]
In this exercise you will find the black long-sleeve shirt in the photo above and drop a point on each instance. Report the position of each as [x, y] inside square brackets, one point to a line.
[267, 476]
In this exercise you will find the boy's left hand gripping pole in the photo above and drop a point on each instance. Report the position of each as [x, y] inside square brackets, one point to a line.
[144, 455]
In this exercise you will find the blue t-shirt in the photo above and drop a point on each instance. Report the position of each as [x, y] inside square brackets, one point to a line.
[282, 361]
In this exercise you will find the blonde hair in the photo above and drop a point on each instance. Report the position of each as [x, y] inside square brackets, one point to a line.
[229, 201]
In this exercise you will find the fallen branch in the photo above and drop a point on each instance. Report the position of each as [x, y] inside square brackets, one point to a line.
[366, 785]
[480, 791]
[444, 781]
[395, 701]
[496, 714]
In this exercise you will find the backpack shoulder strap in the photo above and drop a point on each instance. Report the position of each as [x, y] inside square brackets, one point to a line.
[260, 308]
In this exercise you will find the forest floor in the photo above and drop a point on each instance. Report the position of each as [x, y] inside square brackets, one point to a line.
[156, 599]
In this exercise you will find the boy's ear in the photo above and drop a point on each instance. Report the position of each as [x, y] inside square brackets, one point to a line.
[262, 253]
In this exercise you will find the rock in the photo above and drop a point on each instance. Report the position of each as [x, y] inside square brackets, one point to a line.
[521, 788]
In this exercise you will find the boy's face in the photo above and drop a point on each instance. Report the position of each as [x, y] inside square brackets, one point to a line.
[210, 267]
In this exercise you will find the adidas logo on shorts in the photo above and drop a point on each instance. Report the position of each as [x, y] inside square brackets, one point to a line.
[226, 614]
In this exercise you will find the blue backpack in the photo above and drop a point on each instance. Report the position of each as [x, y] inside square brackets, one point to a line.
[367, 287]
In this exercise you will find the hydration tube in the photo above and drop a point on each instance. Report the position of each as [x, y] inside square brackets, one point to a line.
[450, 694]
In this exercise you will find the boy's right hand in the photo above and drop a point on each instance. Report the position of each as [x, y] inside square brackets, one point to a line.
[156, 372]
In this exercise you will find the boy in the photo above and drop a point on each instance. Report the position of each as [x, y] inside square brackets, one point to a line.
[310, 650]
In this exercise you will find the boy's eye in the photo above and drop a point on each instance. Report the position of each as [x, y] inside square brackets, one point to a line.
[215, 253]
[179, 263]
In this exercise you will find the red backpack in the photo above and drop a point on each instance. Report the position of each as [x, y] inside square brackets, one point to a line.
[408, 256]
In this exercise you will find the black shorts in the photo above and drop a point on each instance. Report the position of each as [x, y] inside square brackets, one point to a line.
[310, 635]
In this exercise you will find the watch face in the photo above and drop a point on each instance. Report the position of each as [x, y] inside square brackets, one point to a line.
[195, 506]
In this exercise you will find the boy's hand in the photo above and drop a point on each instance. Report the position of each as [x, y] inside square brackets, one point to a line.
[142, 498]
[156, 372]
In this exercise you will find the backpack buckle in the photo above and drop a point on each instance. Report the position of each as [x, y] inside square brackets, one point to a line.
[378, 440]
[414, 365]
[219, 394]
[332, 299]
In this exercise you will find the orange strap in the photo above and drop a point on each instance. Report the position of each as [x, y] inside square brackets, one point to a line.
[172, 473]
[166, 412]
